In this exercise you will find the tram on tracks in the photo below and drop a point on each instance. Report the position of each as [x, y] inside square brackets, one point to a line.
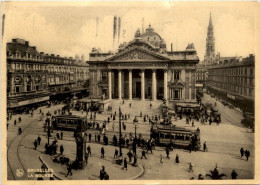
[176, 136]
[68, 122]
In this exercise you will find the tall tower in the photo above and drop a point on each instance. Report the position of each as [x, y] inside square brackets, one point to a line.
[209, 57]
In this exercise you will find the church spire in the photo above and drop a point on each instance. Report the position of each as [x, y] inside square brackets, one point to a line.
[210, 44]
[210, 21]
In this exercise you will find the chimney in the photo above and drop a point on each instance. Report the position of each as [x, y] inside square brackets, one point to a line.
[171, 47]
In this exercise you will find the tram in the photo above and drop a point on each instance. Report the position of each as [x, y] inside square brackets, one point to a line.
[176, 136]
[68, 122]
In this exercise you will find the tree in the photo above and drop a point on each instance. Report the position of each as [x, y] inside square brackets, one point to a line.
[215, 175]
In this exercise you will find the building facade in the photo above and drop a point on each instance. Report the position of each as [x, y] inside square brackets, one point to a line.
[201, 74]
[234, 80]
[144, 69]
[33, 76]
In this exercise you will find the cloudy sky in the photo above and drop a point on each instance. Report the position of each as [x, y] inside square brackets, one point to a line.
[68, 29]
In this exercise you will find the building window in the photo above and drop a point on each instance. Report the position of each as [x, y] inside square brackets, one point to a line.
[176, 75]
[104, 75]
[17, 89]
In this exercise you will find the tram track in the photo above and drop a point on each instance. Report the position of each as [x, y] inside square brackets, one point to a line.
[11, 166]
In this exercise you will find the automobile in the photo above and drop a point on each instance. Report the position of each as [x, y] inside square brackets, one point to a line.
[230, 106]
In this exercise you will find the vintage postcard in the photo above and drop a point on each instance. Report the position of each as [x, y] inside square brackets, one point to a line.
[161, 92]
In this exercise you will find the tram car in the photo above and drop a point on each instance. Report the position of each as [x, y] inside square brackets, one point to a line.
[68, 122]
[166, 135]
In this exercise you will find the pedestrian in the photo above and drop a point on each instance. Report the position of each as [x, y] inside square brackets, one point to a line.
[234, 174]
[113, 126]
[69, 168]
[89, 150]
[167, 152]
[58, 135]
[130, 105]
[86, 158]
[123, 101]
[39, 140]
[35, 144]
[20, 119]
[143, 154]
[205, 147]
[116, 154]
[141, 114]
[89, 137]
[98, 138]
[150, 105]
[95, 137]
[61, 135]
[247, 154]
[192, 124]
[15, 122]
[242, 152]
[102, 152]
[102, 173]
[125, 164]
[61, 149]
[200, 177]
[177, 159]
[161, 158]
[190, 169]
[130, 155]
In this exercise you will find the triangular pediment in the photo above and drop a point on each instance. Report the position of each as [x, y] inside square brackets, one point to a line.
[137, 54]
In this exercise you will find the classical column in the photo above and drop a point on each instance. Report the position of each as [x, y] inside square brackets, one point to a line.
[165, 85]
[119, 85]
[142, 85]
[130, 84]
[109, 85]
[154, 85]
[190, 83]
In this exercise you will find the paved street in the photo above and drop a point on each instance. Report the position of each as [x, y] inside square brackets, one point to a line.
[223, 141]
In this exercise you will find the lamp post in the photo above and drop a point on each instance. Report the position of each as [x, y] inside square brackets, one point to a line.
[48, 122]
[120, 148]
[135, 122]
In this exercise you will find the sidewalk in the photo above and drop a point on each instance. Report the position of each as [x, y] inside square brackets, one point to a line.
[91, 170]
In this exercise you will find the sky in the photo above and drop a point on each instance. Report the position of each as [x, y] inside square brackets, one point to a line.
[67, 29]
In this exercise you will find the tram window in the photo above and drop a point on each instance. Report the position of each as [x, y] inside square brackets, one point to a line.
[179, 137]
[167, 136]
[63, 121]
[187, 138]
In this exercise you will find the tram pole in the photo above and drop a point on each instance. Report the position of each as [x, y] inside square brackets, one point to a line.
[120, 147]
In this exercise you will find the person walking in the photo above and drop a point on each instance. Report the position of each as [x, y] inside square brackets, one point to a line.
[61, 149]
[242, 152]
[102, 173]
[89, 137]
[177, 159]
[161, 158]
[205, 147]
[130, 155]
[89, 150]
[61, 135]
[234, 174]
[39, 140]
[125, 164]
[15, 122]
[167, 153]
[69, 168]
[102, 152]
[247, 154]
[143, 154]
[98, 137]
[35, 144]
[190, 168]
[86, 158]
[116, 154]
[113, 126]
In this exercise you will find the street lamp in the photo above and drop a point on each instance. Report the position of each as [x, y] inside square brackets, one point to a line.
[120, 134]
[135, 122]
[48, 122]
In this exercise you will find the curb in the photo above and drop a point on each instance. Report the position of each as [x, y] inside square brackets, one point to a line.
[40, 157]
[138, 175]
